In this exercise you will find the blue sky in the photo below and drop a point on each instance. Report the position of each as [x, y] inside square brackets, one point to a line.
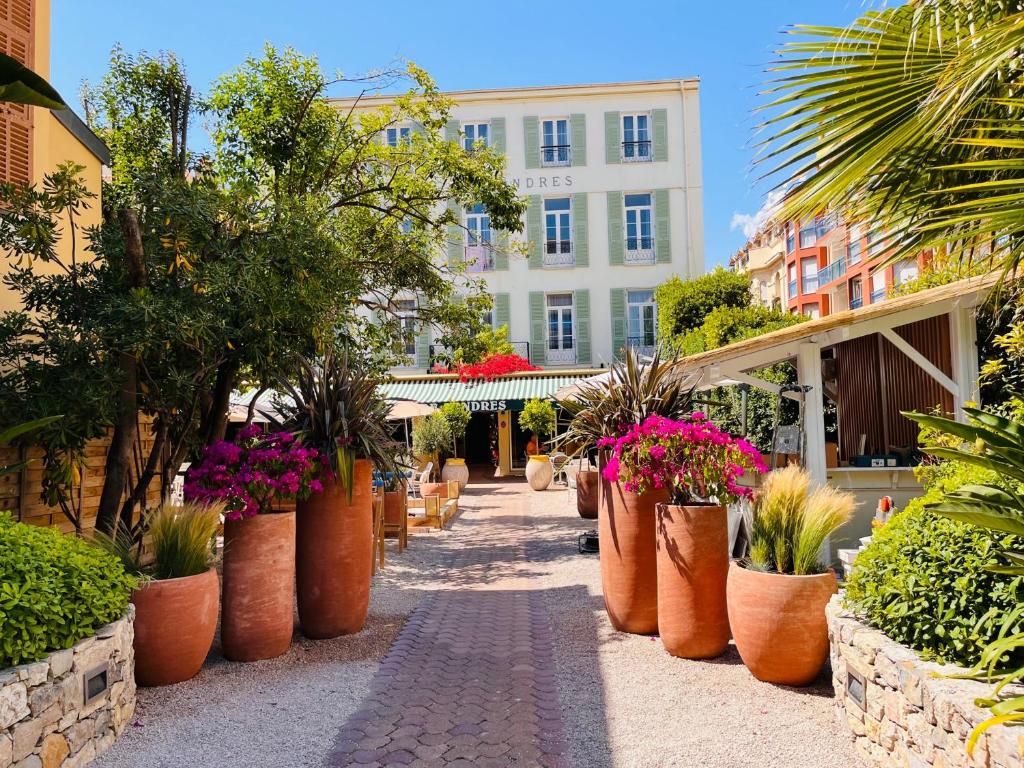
[481, 45]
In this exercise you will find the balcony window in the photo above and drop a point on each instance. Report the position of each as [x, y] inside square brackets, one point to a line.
[877, 287]
[824, 224]
[554, 149]
[479, 254]
[790, 237]
[641, 321]
[812, 311]
[397, 135]
[558, 250]
[904, 271]
[406, 311]
[808, 233]
[639, 231]
[561, 337]
[476, 135]
[636, 138]
[856, 293]
[853, 250]
[809, 276]
[876, 242]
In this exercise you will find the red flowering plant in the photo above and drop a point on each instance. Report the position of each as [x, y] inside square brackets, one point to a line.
[494, 366]
[695, 461]
[254, 472]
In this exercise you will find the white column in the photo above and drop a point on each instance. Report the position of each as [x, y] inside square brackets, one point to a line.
[963, 338]
[808, 372]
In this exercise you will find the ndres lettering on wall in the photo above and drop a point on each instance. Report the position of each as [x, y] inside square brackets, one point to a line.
[556, 181]
[491, 406]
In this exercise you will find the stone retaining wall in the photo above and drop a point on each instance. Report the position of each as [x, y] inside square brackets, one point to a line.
[909, 717]
[44, 718]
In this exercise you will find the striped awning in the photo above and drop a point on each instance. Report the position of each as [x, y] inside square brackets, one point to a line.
[511, 389]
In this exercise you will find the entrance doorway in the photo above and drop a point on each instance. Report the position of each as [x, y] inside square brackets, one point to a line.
[481, 432]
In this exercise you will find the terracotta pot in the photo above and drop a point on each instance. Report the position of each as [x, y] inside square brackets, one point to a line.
[629, 568]
[693, 567]
[539, 473]
[588, 487]
[456, 469]
[778, 623]
[434, 489]
[333, 557]
[259, 586]
[175, 621]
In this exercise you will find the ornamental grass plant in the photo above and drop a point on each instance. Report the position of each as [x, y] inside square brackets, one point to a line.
[184, 539]
[791, 522]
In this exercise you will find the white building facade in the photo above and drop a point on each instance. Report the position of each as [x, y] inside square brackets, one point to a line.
[612, 175]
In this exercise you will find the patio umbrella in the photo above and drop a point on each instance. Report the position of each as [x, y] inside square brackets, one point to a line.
[404, 410]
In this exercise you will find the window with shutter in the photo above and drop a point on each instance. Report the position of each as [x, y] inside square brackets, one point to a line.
[16, 21]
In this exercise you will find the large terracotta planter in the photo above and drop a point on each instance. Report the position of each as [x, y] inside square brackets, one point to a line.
[693, 567]
[456, 469]
[259, 586]
[539, 472]
[434, 489]
[175, 621]
[778, 623]
[629, 569]
[333, 556]
[588, 488]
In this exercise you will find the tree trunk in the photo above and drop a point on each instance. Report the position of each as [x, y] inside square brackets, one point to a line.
[119, 455]
[217, 417]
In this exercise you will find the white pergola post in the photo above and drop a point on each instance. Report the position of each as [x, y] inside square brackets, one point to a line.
[963, 338]
[808, 373]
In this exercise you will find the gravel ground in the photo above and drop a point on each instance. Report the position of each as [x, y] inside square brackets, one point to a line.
[625, 702]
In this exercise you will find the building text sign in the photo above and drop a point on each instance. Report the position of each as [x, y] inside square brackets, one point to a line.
[544, 181]
[492, 406]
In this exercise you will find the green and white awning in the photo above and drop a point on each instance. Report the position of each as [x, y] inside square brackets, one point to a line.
[507, 393]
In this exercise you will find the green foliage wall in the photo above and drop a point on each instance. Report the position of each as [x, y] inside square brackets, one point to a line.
[683, 304]
[54, 591]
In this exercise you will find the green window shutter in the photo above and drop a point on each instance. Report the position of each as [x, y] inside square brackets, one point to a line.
[502, 311]
[451, 130]
[583, 326]
[618, 313]
[659, 120]
[612, 138]
[578, 134]
[456, 239]
[501, 251]
[537, 333]
[616, 237]
[535, 232]
[531, 141]
[416, 127]
[422, 341]
[498, 143]
[662, 235]
[579, 229]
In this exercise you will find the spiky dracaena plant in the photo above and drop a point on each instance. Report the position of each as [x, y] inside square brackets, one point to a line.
[791, 522]
[630, 393]
[336, 407]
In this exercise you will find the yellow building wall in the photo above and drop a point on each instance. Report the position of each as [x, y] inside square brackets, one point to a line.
[53, 144]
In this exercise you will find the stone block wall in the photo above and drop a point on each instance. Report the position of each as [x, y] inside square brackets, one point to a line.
[900, 714]
[44, 719]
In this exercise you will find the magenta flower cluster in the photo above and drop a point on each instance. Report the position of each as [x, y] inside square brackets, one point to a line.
[692, 459]
[255, 472]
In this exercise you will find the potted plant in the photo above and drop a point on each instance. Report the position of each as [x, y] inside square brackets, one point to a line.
[698, 467]
[336, 407]
[457, 415]
[777, 596]
[626, 521]
[538, 416]
[255, 477]
[177, 601]
[431, 437]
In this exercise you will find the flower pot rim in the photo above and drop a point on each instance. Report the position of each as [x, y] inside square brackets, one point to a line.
[151, 581]
[827, 572]
[706, 505]
[540, 457]
[455, 460]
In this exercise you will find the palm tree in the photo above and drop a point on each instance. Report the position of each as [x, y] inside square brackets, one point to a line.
[910, 119]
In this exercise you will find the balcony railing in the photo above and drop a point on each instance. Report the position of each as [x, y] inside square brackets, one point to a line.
[877, 295]
[441, 355]
[479, 258]
[639, 250]
[555, 155]
[559, 253]
[559, 356]
[642, 345]
[832, 272]
[856, 302]
[636, 152]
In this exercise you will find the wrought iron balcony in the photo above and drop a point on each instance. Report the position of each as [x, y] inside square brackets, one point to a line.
[560, 356]
[639, 250]
[559, 253]
[636, 152]
[555, 155]
[644, 346]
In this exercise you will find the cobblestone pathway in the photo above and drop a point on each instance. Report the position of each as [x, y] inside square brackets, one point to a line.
[470, 681]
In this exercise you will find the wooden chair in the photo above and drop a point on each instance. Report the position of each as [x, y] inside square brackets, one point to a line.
[397, 526]
[378, 531]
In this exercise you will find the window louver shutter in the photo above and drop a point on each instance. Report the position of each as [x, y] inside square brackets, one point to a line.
[612, 138]
[456, 237]
[618, 313]
[535, 232]
[501, 251]
[498, 135]
[616, 237]
[531, 141]
[659, 119]
[662, 233]
[451, 130]
[583, 326]
[578, 125]
[579, 226]
[502, 311]
[422, 339]
[537, 332]
[16, 119]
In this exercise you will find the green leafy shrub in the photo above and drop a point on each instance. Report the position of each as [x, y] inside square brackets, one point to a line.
[431, 435]
[54, 591]
[538, 416]
[683, 304]
[923, 579]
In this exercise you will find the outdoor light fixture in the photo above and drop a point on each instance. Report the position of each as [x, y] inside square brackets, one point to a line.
[856, 687]
[94, 684]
